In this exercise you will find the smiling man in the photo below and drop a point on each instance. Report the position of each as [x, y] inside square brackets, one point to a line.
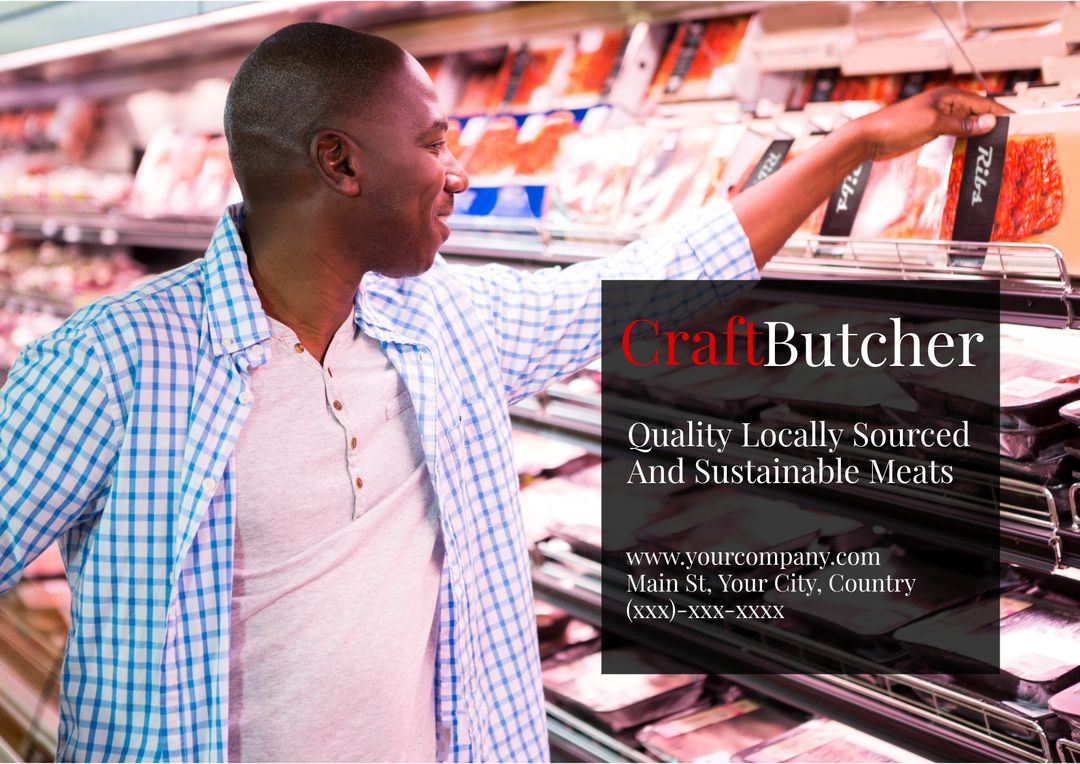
[282, 475]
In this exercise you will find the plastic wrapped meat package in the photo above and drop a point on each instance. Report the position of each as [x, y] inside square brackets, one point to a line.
[622, 701]
[596, 55]
[543, 66]
[715, 733]
[538, 142]
[711, 47]
[866, 620]
[591, 175]
[489, 146]
[182, 175]
[533, 454]
[1039, 373]
[1035, 643]
[1041, 172]
[823, 740]
[566, 503]
[666, 180]
[905, 196]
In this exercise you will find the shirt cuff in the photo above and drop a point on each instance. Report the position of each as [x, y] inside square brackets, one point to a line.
[718, 241]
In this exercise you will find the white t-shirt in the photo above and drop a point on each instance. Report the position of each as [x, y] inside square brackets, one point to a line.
[337, 564]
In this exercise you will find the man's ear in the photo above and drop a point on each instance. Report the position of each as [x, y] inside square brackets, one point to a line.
[337, 161]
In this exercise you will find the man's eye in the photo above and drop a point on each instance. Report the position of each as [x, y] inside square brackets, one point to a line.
[438, 145]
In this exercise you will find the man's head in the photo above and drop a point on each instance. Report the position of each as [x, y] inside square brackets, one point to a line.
[344, 130]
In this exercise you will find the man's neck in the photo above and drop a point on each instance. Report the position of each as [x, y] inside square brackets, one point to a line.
[304, 282]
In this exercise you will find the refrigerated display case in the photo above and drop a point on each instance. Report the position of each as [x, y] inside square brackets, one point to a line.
[656, 77]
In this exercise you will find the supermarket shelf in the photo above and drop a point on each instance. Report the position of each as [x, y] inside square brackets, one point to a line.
[548, 414]
[581, 741]
[108, 229]
[24, 302]
[926, 717]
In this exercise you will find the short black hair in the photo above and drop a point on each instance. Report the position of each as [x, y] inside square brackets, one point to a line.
[296, 81]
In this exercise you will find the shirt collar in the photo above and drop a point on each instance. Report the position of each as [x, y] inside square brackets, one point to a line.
[235, 317]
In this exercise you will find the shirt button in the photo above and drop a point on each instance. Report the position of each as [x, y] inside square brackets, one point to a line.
[209, 484]
[298, 348]
[359, 483]
[337, 405]
[246, 397]
[257, 351]
[352, 443]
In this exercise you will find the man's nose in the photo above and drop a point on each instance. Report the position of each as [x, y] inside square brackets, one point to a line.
[457, 180]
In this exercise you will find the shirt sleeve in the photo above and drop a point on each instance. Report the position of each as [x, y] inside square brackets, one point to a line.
[58, 441]
[547, 323]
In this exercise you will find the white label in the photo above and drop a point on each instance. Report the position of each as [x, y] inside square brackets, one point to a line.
[1027, 387]
[472, 130]
[721, 82]
[531, 127]
[590, 40]
[677, 727]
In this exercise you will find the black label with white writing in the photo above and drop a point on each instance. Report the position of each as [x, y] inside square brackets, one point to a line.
[771, 161]
[844, 202]
[980, 184]
[517, 71]
[609, 81]
[824, 85]
[914, 83]
[691, 41]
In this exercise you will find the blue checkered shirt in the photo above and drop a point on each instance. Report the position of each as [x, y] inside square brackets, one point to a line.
[117, 433]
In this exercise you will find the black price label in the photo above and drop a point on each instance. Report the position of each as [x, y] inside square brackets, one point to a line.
[517, 70]
[913, 84]
[844, 202]
[691, 41]
[824, 85]
[771, 161]
[609, 81]
[980, 184]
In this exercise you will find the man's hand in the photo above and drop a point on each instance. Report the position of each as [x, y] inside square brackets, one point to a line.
[772, 210]
[906, 126]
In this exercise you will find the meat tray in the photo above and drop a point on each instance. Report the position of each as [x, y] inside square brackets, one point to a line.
[715, 733]
[621, 701]
[823, 740]
[1037, 643]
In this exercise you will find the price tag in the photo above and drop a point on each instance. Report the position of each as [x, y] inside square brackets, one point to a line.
[49, 227]
[472, 131]
[72, 234]
[7, 225]
[109, 237]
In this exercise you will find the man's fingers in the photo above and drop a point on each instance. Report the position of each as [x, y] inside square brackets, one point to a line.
[979, 124]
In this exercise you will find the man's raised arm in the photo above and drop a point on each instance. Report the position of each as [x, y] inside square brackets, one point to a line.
[773, 209]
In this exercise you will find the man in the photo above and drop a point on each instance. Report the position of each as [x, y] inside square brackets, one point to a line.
[282, 474]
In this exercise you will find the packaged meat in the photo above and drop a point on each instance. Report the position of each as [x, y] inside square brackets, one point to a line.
[538, 141]
[864, 604]
[905, 196]
[715, 733]
[576, 640]
[546, 503]
[1015, 646]
[534, 453]
[622, 701]
[1013, 184]
[551, 622]
[597, 55]
[1066, 704]
[590, 176]
[1037, 372]
[824, 740]
[665, 181]
[700, 60]
[533, 74]
[492, 150]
